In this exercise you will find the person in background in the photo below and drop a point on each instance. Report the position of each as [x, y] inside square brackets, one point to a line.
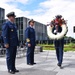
[30, 42]
[10, 39]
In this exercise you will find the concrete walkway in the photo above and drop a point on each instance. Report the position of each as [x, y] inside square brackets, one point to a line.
[46, 65]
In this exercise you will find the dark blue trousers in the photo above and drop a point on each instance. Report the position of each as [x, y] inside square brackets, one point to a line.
[10, 57]
[59, 45]
[30, 55]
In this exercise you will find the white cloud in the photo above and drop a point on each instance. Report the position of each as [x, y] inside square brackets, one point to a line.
[39, 10]
[12, 6]
[22, 1]
[54, 7]
[46, 11]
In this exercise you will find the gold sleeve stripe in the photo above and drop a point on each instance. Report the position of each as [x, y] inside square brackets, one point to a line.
[28, 40]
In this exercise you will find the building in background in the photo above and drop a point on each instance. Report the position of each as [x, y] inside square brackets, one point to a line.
[41, 30]
[22, 24]
[2, 13]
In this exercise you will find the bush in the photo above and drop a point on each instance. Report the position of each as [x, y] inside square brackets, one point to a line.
[68, 47]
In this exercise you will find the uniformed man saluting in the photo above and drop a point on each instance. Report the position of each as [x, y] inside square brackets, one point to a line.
[30, 42]
[10, 38]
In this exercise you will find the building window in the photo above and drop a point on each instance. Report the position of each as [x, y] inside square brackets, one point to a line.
[21, 18]
[21, 37]
[21, 25]
[20, 32]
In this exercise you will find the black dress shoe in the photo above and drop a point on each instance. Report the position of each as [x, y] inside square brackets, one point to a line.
[59, 65]
[16, 70]
[29, 64]
[11, 72]
[34, 63]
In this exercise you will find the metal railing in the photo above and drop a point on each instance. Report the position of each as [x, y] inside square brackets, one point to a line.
[21, 51]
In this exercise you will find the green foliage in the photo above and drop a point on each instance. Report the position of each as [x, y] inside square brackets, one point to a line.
[68, 47]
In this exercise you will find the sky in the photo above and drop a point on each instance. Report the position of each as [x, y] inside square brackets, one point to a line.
[43, 10]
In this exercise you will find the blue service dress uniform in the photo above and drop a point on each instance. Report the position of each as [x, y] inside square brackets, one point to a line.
[9, 34]
[59, 45]
[30, 38]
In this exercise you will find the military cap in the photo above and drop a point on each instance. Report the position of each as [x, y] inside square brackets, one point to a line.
[58, 16]
[31, 20]
[11, 14]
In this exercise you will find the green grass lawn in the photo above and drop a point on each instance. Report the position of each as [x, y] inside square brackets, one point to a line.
[68, 47]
